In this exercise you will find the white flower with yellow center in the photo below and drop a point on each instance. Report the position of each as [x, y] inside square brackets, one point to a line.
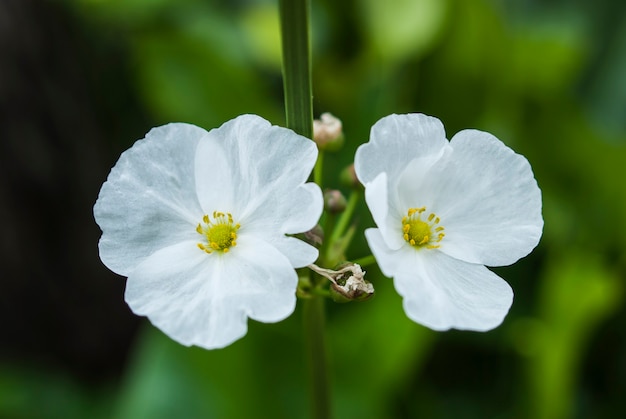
[198, 222]
[444, 209]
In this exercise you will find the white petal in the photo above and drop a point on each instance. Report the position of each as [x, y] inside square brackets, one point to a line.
[389, 260]
[487, 199]
[301, 209]
[265, 281]
[299, 253]
[149, 201]
[413, 187]
[395, 140]
[441, 292]
[295, 213]
[386, 217]
[292, 213]
[263, 163]
[204, 300]
[214, 175]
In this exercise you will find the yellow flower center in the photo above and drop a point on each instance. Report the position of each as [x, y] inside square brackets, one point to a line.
[220, 234]
[420, 232]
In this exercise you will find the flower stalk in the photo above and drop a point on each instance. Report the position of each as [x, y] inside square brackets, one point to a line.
[294, 21]
[365, 261]
[341, 234]
[296, 48]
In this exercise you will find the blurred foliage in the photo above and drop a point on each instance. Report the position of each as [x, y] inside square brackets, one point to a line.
[545, 77]
[577, 293]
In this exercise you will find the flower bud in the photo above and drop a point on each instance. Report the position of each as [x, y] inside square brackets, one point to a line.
[315, 236]
[328, 132]
[334, 201]
[348, 178]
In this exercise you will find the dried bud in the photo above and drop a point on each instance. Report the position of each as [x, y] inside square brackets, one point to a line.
[334, 201]
[328, 132]
[347, 283]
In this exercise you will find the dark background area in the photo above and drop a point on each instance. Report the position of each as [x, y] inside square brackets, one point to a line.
[59, 307]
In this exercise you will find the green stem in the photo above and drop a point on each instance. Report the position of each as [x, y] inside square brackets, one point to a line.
[294, 23]
[314, 320]
[318, 169]
[345, 218]
[365, 261]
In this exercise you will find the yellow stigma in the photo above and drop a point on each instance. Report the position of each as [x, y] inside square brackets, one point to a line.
[420, 232]
[220, 234]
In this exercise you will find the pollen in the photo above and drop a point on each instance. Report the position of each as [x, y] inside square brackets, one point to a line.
[219, 232]
[421, 230]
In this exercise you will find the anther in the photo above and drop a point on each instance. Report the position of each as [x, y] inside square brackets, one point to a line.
[420, 232]
[220, 234]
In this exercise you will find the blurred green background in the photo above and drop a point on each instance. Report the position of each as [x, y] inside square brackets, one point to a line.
[81, 80]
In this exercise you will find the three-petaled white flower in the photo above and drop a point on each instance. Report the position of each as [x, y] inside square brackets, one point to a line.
[443, 210]
[198, 222]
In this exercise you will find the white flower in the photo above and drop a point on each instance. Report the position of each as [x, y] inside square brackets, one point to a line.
[443, 210]
[197, 221]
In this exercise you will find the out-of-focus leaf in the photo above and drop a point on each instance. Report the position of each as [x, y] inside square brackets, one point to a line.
[26, 392]
[262, 373]
[261, 30]
[546, 59]
[375, 350]
[608, 89]
[124, 12]
[576, 295]
[397, 29]
[196, 74]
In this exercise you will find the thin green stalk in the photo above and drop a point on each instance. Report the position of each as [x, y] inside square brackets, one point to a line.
[365, 261]
[345, 218]
[314, 320]
[328, 224]
[294, 21]
[318, 169]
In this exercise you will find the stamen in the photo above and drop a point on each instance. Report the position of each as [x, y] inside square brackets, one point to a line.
[422, 233]
[219, 234]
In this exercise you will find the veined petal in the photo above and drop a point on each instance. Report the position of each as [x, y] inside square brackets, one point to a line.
[265, 281]
[444, 293]
[487, 199]
[415, 186]
[263, 163]
[205, 300]
[301, 210]
[395, 140]
[292, 213]
[389, 260]
[385, 216]
[441, 292]
[149, 201]
[299, 253]
[214, 175]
